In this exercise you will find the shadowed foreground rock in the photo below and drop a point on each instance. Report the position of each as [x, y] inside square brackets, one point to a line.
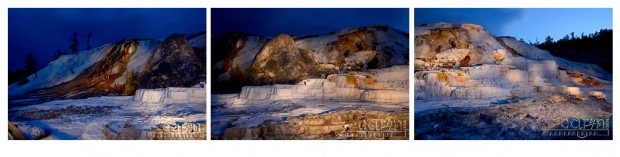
[524, 120]
[340, 125]
[185, 131]
[14, 133]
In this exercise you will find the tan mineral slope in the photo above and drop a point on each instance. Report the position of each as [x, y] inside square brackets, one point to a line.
[467, 62]
[471, 84]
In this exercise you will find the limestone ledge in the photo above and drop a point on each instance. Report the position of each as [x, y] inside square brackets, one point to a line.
[171, 95]
[349, 86]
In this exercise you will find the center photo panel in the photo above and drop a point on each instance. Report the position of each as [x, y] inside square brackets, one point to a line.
[309, 74]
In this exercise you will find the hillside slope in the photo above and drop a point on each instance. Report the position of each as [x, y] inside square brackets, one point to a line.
[104, 70]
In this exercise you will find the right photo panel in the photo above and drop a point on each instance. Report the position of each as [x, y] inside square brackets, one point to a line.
[513, 74]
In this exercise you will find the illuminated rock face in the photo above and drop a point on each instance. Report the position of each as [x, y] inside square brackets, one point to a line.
[246, 60]
[280, 61]
[466, 62]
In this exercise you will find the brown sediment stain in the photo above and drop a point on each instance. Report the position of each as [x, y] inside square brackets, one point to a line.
[575, 75]
[332, 78]
[591, 81]
[455, 43]
[465, 62]
[443, 77]
[99, 78]
[350, 43]
[369, 81]
[585, 80]
[461, 78]
[597, 83]
[419, 75]
[352, 80]
[235, 48]
[442, 39]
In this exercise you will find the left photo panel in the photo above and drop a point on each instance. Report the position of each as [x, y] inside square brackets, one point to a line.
[107, 73]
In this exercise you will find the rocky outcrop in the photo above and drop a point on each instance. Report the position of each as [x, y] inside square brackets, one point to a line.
[174, 64]
[232, 56]
[280, 61]
[389, 47]
[238, 62]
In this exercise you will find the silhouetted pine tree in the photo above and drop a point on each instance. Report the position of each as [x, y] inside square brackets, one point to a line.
[31, 64]
[592, 48]
[74, 43]
[88, 37]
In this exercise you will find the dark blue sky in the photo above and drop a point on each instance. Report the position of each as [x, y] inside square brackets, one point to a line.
[303, 21]
[529, 24]
[43, 31]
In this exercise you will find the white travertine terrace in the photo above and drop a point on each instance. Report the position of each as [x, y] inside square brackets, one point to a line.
[171, 95]
[381, 85]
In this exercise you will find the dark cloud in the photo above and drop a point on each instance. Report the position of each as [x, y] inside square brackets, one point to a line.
[43, 31]
[303, 21]
[494, 20]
